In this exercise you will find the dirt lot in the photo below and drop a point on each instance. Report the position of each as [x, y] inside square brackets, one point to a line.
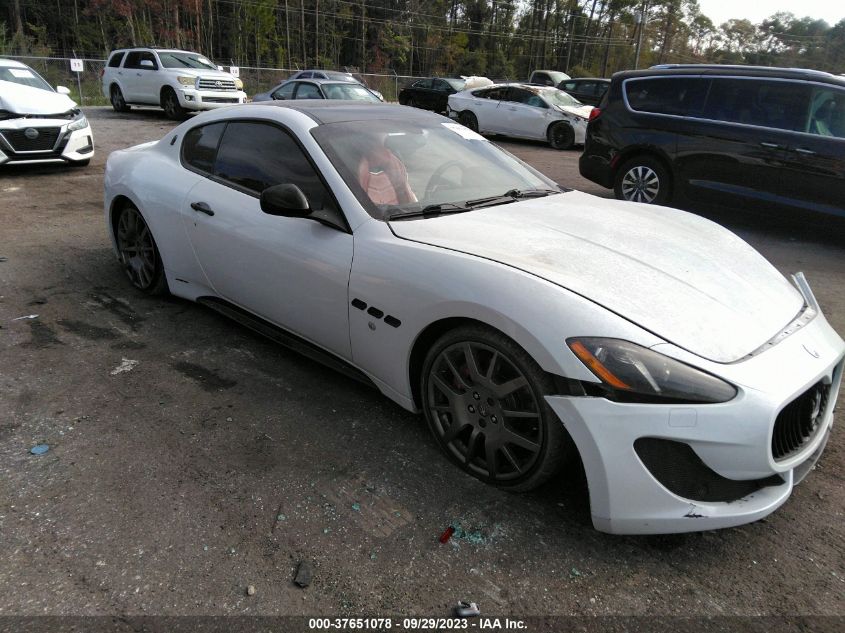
[219, 460]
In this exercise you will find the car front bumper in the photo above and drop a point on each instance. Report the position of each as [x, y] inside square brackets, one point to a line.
[52, 144]
[707, 449]
[192, 99]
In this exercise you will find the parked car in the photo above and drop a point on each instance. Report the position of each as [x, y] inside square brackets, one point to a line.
[523, 111]
[735, 134]
[431, 93]
[336, 75]
[589, 91]
[547, 77]
[176, 80]
[318, 89]
[37, 123]
[529, 324]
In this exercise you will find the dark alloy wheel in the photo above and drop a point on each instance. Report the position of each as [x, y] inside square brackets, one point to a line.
[643, 179]
[138, 252]
[170, 103]
[483, 400]
[561, 136]
[467, 119]
[411, 102]
[118, 103]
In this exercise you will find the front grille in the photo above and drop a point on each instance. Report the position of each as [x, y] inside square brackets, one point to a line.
[799, 421]
[676, 466]
[45, 141]
[216, 84]
[219, 99]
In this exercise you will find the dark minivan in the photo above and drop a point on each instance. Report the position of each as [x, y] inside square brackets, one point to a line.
[721, 134]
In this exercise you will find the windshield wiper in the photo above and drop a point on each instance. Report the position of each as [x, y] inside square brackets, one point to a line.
[511, 195]
[429, 211]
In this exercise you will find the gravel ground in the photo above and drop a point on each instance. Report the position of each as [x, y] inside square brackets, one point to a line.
[190, 458]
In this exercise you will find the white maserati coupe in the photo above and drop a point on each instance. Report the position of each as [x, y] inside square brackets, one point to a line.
[531, 325]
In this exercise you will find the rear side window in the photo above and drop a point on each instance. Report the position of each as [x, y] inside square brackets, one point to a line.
[776, 104]
[115, 59]
[134, 59]
[681, 96]
[254, 156]
[200, 146]
[827, 113]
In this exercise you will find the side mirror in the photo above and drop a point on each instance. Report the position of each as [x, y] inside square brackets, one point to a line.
[285, 200]
[279, 97]
[146, 63]
[62, 90]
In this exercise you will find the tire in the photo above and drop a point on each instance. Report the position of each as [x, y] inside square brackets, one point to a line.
[643, 179]
[138, 252]
[467, 119]
[118, 103]
[490, 416]
[170, 103]
[561, 136]
[411, 102]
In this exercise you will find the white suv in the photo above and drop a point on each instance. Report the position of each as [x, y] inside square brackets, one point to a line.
[176, 80]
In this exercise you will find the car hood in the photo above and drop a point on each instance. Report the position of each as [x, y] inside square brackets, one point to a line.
[201, 72]
[683, 278]
[582, 111]
[21, 99]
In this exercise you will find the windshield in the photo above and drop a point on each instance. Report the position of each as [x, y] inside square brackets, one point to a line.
[351, 91]
[395, 166]
[24, 77]
[560, 98]
[185, 60]
[457, 84]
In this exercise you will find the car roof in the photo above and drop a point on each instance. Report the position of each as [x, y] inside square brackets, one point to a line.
[337, 111]
[323, 82]
[11, 63]
[602, 79]
[716, 70]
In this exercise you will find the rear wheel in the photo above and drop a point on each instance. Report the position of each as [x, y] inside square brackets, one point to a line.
[138, 252]
[643, 179]
[561, 136]
[467, 119]
[483, 399]
[170, 103]
[118, 103]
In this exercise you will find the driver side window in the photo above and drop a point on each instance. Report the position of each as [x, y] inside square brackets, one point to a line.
[285, 92]
[253, 156]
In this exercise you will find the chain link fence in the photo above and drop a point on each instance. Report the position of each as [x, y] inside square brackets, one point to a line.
[85, 87]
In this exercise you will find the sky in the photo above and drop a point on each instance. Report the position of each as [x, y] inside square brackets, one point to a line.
[832, 11]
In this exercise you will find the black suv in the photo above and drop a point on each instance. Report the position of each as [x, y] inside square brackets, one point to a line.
[721, 134]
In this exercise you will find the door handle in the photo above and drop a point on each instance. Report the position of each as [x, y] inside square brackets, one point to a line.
[202, 207]
[806, 152]
[771, 145]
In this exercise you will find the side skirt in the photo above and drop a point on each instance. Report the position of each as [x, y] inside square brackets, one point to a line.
[286, 338]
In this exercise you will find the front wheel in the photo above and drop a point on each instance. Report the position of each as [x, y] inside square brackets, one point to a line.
[138, 252]
[170, 103]
[467, 119]
[561, 136]
[483, 399]
[643, 179]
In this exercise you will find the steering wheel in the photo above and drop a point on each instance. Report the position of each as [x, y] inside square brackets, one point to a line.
[437, 177]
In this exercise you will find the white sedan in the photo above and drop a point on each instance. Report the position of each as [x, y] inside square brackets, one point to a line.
[523, 111]
[531, 325]
[39, 124]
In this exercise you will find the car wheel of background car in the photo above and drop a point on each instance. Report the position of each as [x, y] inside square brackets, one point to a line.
[170, 103]
[561, 136]
[138, 252]
[117, 100]
[411, 102]
[468, 120]
[643, 179]
[483, 399]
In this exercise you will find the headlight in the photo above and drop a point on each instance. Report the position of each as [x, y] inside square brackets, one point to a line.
[79, 123]
[239, 84]
[186, 81]
[631, 372]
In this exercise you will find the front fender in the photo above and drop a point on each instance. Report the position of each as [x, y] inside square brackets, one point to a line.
[398, 288]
